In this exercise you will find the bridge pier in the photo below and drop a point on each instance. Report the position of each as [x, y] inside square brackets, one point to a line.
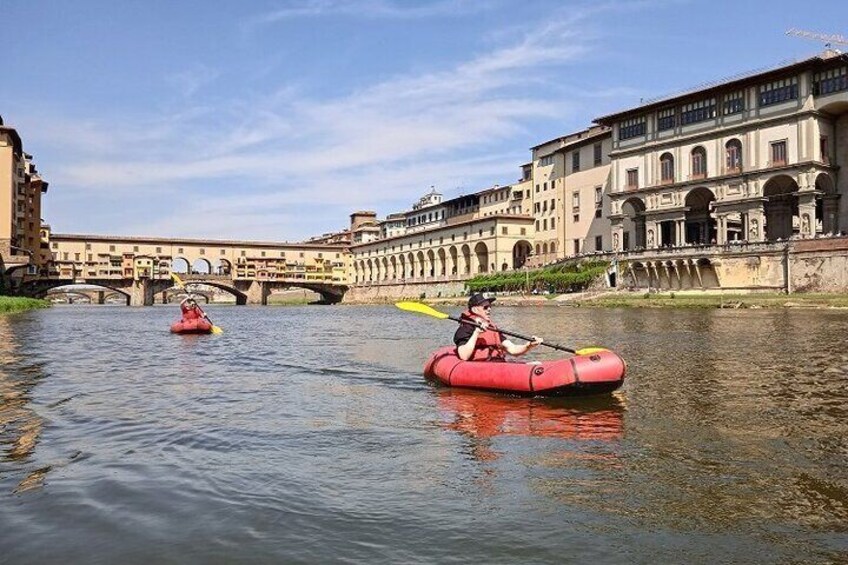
[257, 293]
[101, 297]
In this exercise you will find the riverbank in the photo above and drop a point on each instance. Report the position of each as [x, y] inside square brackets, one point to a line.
[710, 300]
[12, 304]
[688, 299]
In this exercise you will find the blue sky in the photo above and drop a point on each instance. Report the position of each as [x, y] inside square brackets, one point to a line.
[275, 120]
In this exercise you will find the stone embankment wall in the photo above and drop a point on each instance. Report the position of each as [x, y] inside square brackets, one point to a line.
[819, 265]
[806, 265]
[393, 292]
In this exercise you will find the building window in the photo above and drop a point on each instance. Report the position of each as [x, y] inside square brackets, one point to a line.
[546, 161]
[575, 161]
[778, 91]
[87, 246]
[537, 188]
[262, 254]
[553, 202]
[55, 245]
[523, 231]
[576, 218]
[599, 195]
[827, 82]
[733, 103]
[599, 243]
[553, 223]
[545, 206]
[544, 224]
[631, 128]
[301, 254]
[698, 111]
[665, 119]
[577, 247]
[537, 225]
[699, 163]
[111, 248]
[135, 248]
[544, 186]
[632, 178]
[825, 154]
[599, 155]
[733, 153]
[778, 153]
[666, 168]
[575, 200]
[504, 231]
[598, 212]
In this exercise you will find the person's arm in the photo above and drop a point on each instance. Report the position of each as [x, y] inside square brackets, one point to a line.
[466, 350]
[515, 349]
[465, 339]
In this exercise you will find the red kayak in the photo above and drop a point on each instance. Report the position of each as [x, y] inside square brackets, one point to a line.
[591, 371]
[196, 326]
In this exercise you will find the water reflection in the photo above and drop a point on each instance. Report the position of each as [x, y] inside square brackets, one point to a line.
[20, 425]
[481, 416]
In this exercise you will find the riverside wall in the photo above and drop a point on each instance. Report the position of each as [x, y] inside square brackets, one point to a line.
[805, 265]
[378, 293]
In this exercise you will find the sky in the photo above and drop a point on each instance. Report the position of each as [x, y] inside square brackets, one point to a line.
[274, 121]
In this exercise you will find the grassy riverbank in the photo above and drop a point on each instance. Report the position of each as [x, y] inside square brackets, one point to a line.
[712, 300]
[11, 304]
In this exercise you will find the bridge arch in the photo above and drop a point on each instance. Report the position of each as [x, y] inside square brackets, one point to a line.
[201, 266]
[180, 265]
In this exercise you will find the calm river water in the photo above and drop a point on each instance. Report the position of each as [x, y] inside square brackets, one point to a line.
[308, 435]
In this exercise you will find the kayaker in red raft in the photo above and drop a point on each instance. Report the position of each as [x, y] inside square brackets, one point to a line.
[190, 310]
[480, 340]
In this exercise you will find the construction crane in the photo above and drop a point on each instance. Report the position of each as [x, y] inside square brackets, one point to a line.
[829, 39]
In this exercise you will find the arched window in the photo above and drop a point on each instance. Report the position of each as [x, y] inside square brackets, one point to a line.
[667, 168]
[544, 248]
[733, 156]
[699, 163]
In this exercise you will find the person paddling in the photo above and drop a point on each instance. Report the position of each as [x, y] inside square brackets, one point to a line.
[190, 310]
[478, 338]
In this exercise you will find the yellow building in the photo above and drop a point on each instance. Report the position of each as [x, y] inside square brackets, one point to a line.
[570, 175]
[21, 187]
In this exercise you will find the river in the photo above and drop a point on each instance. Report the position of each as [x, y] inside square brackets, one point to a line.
[308, 435]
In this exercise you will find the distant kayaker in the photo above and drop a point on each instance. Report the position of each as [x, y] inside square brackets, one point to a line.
[190, 310]
[480, 340]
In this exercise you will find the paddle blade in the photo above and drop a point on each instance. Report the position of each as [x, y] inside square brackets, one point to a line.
[589, 350]
[217, 330]
[177, 280]
[419, 308]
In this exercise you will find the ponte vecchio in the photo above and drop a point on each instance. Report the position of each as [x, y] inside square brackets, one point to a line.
[141, 267]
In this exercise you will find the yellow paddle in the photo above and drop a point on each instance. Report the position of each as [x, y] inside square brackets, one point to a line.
[180, 284]
[419, 308]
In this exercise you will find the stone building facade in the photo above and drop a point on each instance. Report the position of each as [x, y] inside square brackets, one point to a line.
[753, 159]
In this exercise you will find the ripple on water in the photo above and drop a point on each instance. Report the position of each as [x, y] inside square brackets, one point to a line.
[308, 435]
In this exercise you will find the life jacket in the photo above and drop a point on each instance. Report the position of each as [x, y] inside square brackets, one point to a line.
[191, 313]
[488, 346]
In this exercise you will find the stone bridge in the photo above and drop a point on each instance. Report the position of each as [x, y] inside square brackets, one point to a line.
[142, 292]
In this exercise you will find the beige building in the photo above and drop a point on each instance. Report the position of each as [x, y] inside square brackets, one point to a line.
[21, 187]
[570, 176]
[757, 158]
[448, 240]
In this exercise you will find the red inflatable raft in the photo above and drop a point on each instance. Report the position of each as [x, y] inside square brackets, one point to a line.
[591, 371]
[197, 326]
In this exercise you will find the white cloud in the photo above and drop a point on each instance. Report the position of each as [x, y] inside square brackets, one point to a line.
[369, 9]
[249, 162]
